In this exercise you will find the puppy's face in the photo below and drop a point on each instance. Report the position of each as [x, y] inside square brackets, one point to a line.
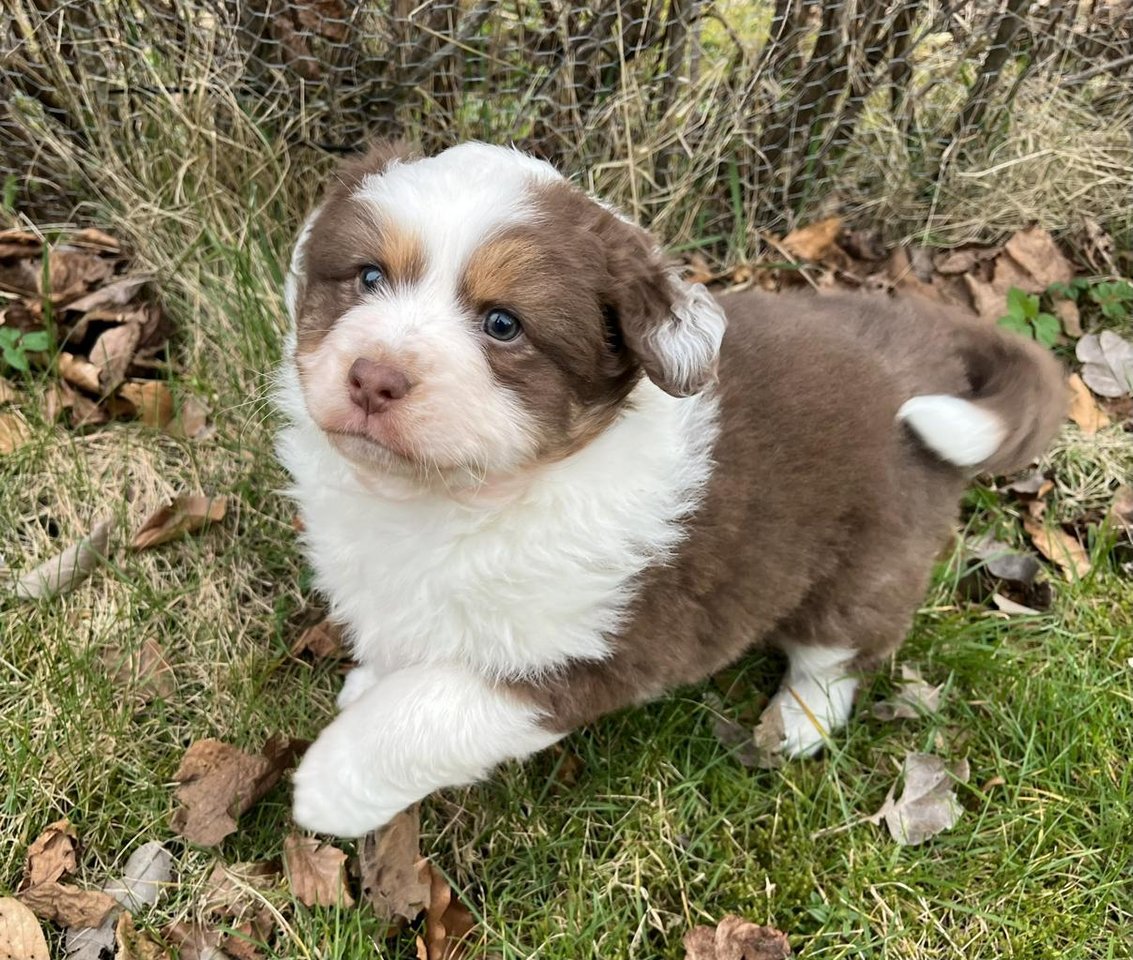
[471, 314]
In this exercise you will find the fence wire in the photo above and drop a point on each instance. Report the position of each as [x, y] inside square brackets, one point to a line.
[719, 119]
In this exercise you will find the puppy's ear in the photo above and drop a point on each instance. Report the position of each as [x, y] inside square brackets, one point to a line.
[373, 161]
[673, 328]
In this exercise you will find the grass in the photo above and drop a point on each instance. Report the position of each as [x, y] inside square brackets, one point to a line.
[663, 828]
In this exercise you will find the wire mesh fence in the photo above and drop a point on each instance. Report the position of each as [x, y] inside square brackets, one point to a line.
[714, 120]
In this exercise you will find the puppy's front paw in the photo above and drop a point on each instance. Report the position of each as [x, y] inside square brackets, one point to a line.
[803, 732]
[332, 796]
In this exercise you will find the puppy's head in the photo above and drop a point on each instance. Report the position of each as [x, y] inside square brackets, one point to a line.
[471, 314]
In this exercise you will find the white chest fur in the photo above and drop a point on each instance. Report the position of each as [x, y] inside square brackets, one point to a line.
[508, 585]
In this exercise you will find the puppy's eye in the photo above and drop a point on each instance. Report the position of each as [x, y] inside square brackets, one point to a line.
[371, 277]
[501, 325]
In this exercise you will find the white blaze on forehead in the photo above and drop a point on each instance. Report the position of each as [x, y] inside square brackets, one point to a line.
[454, 200]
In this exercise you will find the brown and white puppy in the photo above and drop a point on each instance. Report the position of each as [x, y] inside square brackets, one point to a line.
[539, 482]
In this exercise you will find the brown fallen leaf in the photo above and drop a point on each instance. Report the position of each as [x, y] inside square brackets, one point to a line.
[51, 855]
[65, 571]
[150, 401]
[236, 890]
[116, 294]
[1011, 608]
[928, 803]
[194, 941]
[315, 872]
[8, 392]
[144, 672]
[962, 259]
[21, 937]
[1120, 513]
[1058, 546]
[14, 432]
[79, 372]
[244, 943]
[322, 641]
[1069, 316]
[395, 878]
[1036, 252]
[218, 782]
[914, 698]
[734, 938]
[448, 922]
[192, 420]
[815, 241]
[1084, 410]
[185, 514]
[737, 740]
[67, 905]
[134, 944]
[768, 738]
[112, 353]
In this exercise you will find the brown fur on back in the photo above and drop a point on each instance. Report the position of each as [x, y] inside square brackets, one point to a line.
[824, 514]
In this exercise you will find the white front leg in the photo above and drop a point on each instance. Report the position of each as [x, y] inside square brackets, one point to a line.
[412, 732]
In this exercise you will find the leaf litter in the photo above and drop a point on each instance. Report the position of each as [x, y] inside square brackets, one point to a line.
[734, 938]
[218, 782]
[64, 572]
[928, 804]
[183, 515]
[21, 937]
[914, 698]
[316, 872]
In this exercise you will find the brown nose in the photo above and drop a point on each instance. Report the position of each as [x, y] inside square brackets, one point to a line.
[374, 386]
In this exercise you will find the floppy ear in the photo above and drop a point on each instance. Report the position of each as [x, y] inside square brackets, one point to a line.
[372, 161]
[673, 328]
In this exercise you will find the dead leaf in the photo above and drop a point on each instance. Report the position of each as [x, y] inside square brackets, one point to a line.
[244, 943]
[315, 872]
[928, 804]
[1011, 608]
[21, 937]
[144, 672]
[322, 641]
[133, 944]
[79, 372]
[185, 514]
[734, 938]
[1069, 316]
[448, 923]
[1033, 484]
[64, 572]
[8, 393]
[815, 241]
[235, 890]
[218, 782]
[67, 905]
[737, 740]
[394, 877]
[194, 941]
[1084, 410]
[112, 353]
[14, 432]
[1058, 546]
[914, 698]
[149, 868]
[1035, 251]
[151, 401]
[1107, 363]
[116, 294]
[768, 738]
[962, 259]
[51, 855]
[1120, 513]
[1003, 562]
[191, 422]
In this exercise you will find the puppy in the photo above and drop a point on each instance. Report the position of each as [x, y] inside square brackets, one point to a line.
[539, 482]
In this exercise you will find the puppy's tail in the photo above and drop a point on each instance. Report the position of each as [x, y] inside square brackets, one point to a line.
[1006, 413]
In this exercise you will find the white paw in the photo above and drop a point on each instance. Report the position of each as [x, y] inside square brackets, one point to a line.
[357, 682]
[331, 793]
[803, 732]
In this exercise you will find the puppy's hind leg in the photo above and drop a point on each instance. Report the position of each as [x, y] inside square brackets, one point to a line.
[816, 696]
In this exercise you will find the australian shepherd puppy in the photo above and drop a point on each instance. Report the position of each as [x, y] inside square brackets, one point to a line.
[542, 478]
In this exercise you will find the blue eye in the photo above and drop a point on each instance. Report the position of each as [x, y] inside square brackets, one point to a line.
[501, 325]
[371, 276]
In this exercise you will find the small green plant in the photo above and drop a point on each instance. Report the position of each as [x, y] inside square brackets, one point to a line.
[1024, 316]
[15, 345]
[1114, 298]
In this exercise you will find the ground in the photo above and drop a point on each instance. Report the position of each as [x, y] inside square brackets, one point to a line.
[658, 829]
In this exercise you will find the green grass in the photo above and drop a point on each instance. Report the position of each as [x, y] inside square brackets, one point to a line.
[663, 828]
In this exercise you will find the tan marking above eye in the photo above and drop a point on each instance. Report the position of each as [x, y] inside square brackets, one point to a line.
[402, 255]
[496, 269]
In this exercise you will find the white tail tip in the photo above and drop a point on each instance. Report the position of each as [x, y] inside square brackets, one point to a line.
[955, 430]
